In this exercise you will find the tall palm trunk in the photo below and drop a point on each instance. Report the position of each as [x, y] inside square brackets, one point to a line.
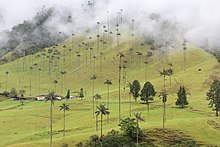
[51, 121]
[93, 101]
[39, 82]
[6, 85]
[96, 123]
[164, 113]
[64, 123]
[108, 103]
[130, 105]
[119, 93]
[101, 130]
[137, 133]
[164, 79]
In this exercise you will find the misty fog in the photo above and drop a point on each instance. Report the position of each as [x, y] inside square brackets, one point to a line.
[197, 21]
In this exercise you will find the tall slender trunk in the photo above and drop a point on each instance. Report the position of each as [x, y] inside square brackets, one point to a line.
[108, 103]
[6, 84]
[64, 123]
[184, 60]
[164, 78]
[39, 83]
[164, 111]
[96, 123]
[30, 84]
[61, 88]
[93, 102]
[130, 105]
[137, 132]
[119, 94]
[51, 122]
[101, 130]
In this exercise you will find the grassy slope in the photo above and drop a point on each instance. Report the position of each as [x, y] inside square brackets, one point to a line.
[28, 125]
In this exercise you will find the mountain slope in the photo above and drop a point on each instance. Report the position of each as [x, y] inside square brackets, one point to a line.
[32, 119]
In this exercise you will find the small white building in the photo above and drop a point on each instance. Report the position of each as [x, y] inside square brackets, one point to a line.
[41, 97]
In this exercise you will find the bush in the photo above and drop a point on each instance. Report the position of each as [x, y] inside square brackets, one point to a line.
[128, 126]
[5, 93]
[13, 92]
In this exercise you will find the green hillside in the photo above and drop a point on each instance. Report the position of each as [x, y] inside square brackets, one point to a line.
[28, 124]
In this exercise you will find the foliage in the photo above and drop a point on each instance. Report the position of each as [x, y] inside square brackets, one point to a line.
[128, 126]
[22, 93]
[147, 92]
[134, 89]
[13, 92]
[81, 93]
[112, 139]
[213, 95]
[182, 97]
[6, 93]
[68, 94]
[163, 95]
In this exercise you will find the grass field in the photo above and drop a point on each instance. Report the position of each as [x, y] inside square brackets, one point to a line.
[28, 125]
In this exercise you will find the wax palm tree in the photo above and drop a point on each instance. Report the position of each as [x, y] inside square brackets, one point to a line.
[146, 70]
[170, 73]
[65, 108]
[139, 54]
[94, 59]
[31, 68]
[39, 79]
[51, 97]
[120, 55]
[55, 84]
[164, 73]
[97, 97]
[62, 81]
[72, 50]
[130, 86]
[163, 96]
[102, 110]
[131, 56]
[6, 80]
[138, 118]
[101, 54]
[108, 82]
[93, 78]
[184, 53]
[124, 78]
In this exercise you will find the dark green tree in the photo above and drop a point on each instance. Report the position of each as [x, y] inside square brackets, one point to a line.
[67, 94]
[81, 93]
[135, 89]
[147, 94]
[182, 97]
[213, 95]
